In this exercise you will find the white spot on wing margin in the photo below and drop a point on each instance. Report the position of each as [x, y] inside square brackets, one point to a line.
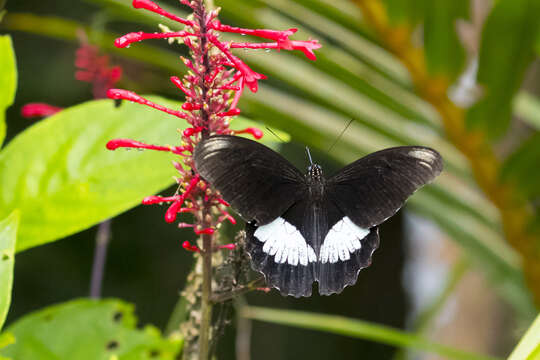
[283, 241]
[426, 157]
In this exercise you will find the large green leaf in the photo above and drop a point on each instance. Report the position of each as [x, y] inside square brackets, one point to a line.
[445, 54]
[87, 330]
[356, 328]
[529, 345]
[506, 50]
[63, 179]
[8, 236]
[8, 80]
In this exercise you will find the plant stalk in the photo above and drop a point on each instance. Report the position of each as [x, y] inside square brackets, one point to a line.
[206, 300]
[100, 258]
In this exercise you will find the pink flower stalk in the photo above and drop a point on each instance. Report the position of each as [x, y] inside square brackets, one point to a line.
[95, 69]
[90, 67]
[38, 110]
[213, 85]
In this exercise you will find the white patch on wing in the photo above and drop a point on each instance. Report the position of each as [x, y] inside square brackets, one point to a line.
[283, 241]
[426, 157]
[342, 240]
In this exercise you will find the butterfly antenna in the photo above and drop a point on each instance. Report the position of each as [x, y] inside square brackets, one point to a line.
[273, 133]
[309, 156]
[341, 134]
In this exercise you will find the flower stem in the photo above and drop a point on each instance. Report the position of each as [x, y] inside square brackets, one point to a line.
[100, 256]
[206, 300]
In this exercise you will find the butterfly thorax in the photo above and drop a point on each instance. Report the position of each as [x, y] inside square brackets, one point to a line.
[315, 181]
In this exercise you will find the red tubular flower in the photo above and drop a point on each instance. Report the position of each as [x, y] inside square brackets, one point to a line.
[212, 87]
[35, 110]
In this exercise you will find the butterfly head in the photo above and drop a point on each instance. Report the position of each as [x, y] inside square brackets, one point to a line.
[314, 173]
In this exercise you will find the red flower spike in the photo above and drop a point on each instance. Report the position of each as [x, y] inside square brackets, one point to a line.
[232, 112]
[206, 231]
[176, 81]
[262, 33]
[227, 216]
[250, 76]
[213, 86]
[172, 211]
[189, 106]
[191, 131]
[128, 39]
[256, 133]
[131, 96]
[227, 246]
[223, 202]
[186, 245]
[149, 200]
[306, 47]
[185, 225]
[35, 110]
[238, 94]
[128, 143]
[151, 6]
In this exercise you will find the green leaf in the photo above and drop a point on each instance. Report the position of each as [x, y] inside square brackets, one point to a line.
[355, 328]
[521, 167]
[63, 179]
[5, 340]
[8, 236]
[528, 347]
[8, 80]
[88, 330]
[445, 54]
[527, 107]
[506, 51]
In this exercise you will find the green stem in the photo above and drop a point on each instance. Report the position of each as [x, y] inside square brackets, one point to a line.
[206, 300]
[358, 329]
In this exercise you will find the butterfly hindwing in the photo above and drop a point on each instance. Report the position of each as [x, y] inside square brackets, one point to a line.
[333, 277]
[258, 182]
[375, 187]
[312, 241]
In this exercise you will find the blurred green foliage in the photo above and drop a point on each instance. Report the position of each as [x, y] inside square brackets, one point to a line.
[57, 174]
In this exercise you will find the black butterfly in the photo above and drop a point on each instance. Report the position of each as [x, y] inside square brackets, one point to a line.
[306, 228]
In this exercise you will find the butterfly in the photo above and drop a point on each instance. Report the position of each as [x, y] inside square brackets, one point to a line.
[306, 228]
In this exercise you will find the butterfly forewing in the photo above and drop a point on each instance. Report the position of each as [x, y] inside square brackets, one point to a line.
[373, 188]
[258, 182]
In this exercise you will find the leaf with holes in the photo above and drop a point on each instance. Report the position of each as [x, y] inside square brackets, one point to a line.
[8, 80]
[88, 330]
[8, 236]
